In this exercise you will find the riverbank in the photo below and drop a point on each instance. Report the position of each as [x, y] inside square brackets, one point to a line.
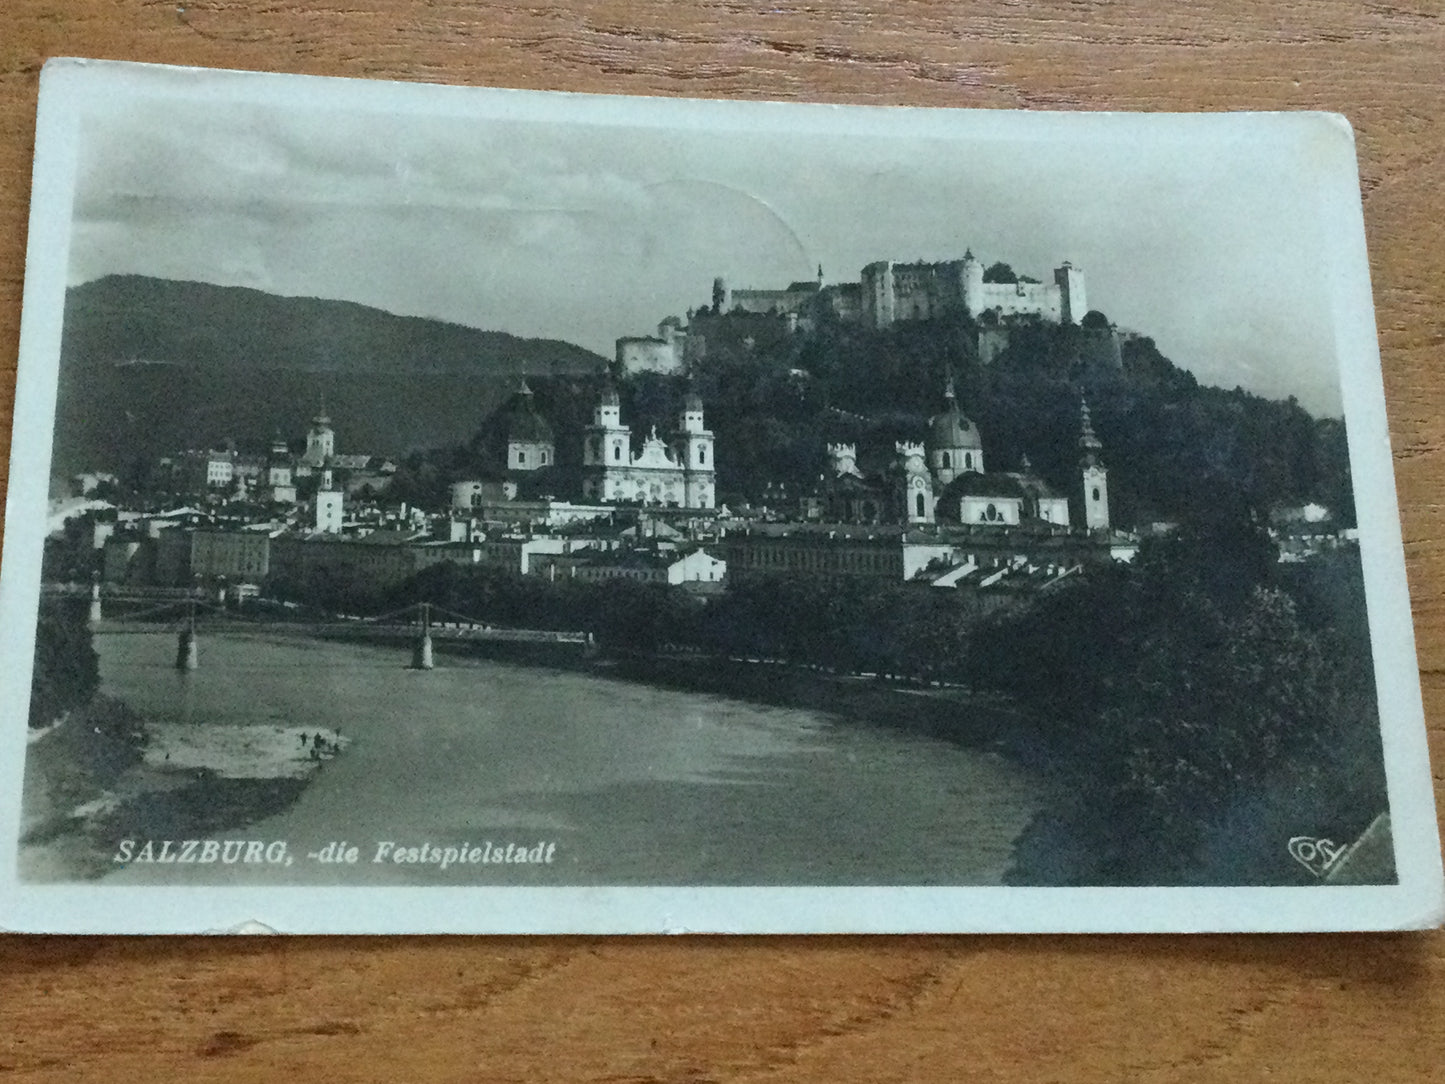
[972, 719]
[643, 771]
[103, 774]
[950, 713]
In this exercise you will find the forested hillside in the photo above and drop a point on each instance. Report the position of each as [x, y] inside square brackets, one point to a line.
[775, 400]
[150, 366]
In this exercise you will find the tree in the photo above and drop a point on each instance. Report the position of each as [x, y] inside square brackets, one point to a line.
[1175, 694]
[67, 670]
[1000, 272]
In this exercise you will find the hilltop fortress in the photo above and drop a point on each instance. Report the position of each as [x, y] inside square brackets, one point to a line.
[886, 293]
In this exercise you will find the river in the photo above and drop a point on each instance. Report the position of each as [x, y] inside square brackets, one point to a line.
[633, 784]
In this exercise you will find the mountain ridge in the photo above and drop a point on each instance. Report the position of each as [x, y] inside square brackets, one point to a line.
[151, 366]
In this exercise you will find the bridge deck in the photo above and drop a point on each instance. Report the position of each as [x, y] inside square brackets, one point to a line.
[353, 629]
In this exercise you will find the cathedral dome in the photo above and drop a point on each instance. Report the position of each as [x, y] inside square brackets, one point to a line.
[523, 421]
[952, 429]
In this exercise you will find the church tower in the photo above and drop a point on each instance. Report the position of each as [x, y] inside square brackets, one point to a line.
[279, 485]
[606, 447]
[1096, 486]
[328, 504]
[695, 450]
[529, 437]
[320, 440]
[844, 459]
[954, 445]
[912, 485]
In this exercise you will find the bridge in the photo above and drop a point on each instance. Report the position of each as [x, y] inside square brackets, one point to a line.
[421, 624]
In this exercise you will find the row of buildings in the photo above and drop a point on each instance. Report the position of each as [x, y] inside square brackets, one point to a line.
[941, 480]
[185, 548]
[281, 476]
[938, 514]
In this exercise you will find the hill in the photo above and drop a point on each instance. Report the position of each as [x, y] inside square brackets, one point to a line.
[149, 366]
[776, 398]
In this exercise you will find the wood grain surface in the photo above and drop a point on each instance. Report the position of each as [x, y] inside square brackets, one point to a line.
[1342, 1008]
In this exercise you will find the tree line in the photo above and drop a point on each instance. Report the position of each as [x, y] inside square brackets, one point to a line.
[845, 623]
[1200, 706]
[775, 400]
[66, 673]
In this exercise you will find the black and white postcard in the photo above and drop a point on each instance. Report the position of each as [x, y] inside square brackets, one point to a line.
[449, 509]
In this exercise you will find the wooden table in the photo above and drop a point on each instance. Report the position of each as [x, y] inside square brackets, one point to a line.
[1345, 1008]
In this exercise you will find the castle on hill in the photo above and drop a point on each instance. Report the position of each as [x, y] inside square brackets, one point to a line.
[886, 292]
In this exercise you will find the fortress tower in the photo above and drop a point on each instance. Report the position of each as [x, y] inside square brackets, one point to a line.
[1072, 302]
[971, 273]
[876, 294]
[1096, 478]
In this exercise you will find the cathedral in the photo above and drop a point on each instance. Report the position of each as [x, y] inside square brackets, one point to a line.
[944, 481]
[679, 474]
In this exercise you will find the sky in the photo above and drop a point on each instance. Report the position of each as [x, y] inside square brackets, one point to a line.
[591, 232]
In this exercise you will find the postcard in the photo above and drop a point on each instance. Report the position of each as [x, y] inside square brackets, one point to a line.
[439, 509]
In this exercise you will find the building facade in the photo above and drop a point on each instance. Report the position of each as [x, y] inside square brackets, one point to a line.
[680, 474]
[944, 480]
[892, 292]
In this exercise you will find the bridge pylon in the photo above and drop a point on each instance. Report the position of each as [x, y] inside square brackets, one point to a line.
[188, 656]
[421, 652]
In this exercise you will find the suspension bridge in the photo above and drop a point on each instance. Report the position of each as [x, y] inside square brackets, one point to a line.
[420, 624]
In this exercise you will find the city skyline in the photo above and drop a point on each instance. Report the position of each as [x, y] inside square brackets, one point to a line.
[588, 233]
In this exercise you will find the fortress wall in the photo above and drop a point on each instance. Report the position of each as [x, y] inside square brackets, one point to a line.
[648, 355]
[764, 301]
[1024, 297]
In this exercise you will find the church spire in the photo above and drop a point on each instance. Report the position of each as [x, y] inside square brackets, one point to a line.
[1095, 477]
[1089, 443]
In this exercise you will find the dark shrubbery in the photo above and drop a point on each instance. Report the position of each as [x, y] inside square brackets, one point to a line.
[67, 671]
[842, 623]
[1198, 713]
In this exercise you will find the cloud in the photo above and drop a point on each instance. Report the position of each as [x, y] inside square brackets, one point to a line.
[589, 233]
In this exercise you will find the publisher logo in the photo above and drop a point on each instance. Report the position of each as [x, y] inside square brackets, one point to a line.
[1316, 855]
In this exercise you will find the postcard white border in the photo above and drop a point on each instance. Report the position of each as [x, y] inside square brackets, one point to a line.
[1418, 900]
